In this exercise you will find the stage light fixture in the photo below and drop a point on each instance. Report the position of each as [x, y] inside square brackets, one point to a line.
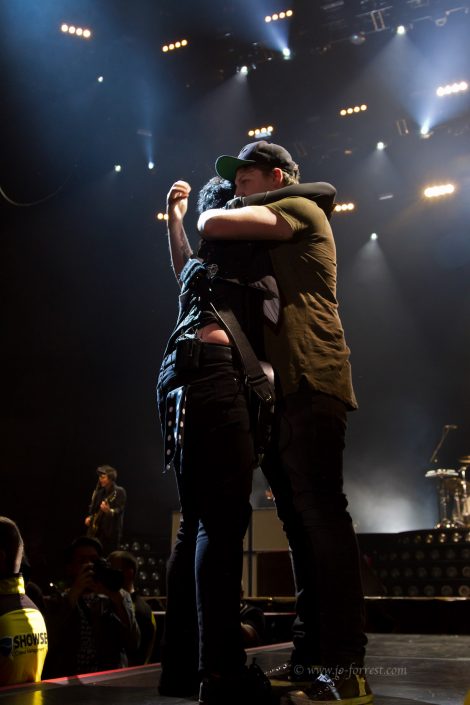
[401, 29]
[439, 190]
[452, 88]
[381, 146]
[151, 165]
[77, 31]
[243, 70]
[353, 110]
[283, 15]
[117, 168]
[100, 79]
[373, 236]
[357, 39]
[424, 131]
[286, 52]
[342, 207]
[261, 132]
[175, 45]
[161, 216]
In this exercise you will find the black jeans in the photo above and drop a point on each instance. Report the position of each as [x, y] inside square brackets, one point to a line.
[304, 467]
[214, 482]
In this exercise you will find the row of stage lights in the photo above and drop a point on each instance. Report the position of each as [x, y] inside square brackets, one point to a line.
[354, 110]
[180, 44]
[283, 15]
[76, 31]
[451, 88]
[261, 132]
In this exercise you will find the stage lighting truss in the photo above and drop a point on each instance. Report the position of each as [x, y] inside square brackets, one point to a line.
[344, 207]
[355, 110]
[175, 45]
[452, 88]
[161, 216]
[83, 33]
[438, 190]
[261, 132]
[283, 15]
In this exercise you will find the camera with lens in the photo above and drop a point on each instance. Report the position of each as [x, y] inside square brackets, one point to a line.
[109, 577]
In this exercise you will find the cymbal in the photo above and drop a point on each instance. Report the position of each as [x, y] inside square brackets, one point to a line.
[465, 460]
[442, 472]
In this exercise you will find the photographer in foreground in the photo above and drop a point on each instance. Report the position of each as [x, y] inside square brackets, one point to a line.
[92, 624]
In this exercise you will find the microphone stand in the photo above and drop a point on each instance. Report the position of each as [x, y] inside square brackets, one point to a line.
[445, 431]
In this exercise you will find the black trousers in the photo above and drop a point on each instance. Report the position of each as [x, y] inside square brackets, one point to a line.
[214, 478]
[304, 467]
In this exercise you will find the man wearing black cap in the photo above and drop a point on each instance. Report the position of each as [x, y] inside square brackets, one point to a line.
[106, 511]
[307, 349]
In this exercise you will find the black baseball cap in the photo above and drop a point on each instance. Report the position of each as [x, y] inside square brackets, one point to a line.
[262, 153]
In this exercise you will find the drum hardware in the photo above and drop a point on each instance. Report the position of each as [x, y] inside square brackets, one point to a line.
[453, 492]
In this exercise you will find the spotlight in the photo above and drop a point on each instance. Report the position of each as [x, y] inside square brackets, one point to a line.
[286, 53]
[100, 79]
[353, 110]
[401, 29]
[161, 216]
[458, 87]
[117, 167]
[342, 207]
[151, 165]
[261, 132]
[283, 15]
[381, 146]
[439, 190]
[77, 31]
[374, 236]
[243, 70]
[175, 45]
[357, 39]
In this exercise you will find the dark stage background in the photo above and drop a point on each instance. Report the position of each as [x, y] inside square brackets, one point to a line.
[88, 297]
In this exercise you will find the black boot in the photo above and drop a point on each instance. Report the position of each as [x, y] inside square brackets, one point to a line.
[249, 687]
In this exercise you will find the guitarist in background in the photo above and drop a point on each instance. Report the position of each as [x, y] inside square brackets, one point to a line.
[106, 513]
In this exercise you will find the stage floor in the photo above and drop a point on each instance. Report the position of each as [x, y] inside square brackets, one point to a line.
[403, 669]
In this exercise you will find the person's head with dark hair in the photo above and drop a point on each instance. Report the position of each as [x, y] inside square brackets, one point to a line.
[127, 563]
[11, 547]
[83, 547]
[215, 194]
[107, 471]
